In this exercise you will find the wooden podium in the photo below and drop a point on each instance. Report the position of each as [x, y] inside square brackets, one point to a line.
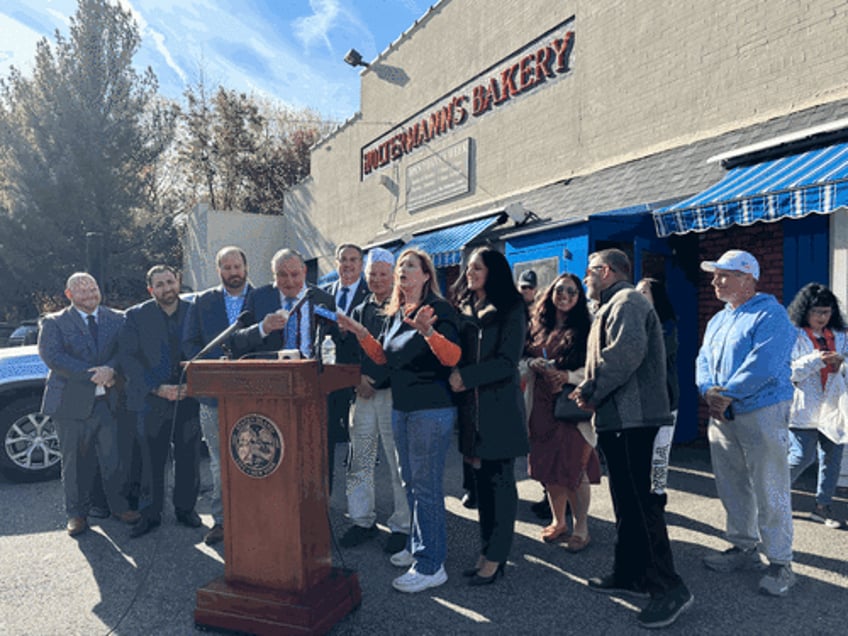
[278, 573]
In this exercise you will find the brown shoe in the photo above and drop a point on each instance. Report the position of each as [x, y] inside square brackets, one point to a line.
[215, 535]
[77, 525]
[129, 516]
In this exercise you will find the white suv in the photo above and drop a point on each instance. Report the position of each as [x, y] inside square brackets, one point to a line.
[30, 445]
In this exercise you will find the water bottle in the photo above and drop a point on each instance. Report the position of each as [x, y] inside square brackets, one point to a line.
[328, 350]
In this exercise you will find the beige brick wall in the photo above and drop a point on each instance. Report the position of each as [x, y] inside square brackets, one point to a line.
[646, 76]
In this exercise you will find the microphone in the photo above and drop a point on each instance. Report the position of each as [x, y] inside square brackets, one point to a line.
[300, 301]
[323, 312]
[243, 319]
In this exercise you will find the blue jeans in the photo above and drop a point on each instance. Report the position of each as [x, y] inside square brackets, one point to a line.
[803, 444]
[422, 439]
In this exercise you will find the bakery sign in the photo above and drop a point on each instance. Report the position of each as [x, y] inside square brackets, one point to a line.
[540, 62]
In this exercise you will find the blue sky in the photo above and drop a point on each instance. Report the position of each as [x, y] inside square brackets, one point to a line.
[288, 50]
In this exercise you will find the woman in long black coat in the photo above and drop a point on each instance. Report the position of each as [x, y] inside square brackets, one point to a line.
[491, 409]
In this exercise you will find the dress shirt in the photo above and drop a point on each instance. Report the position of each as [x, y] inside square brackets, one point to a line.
[234, 304]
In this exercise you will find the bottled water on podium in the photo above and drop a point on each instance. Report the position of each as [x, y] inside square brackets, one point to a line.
[328, 350]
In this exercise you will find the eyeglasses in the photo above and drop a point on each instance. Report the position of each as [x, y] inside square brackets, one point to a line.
[560, 289]
[821, 311]
[597, 268]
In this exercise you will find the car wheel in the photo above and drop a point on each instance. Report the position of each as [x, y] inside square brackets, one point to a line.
[30, 449]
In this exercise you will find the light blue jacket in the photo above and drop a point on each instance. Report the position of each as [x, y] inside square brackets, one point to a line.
[748, 351]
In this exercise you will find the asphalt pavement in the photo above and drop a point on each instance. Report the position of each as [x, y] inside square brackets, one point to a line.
[106, 583]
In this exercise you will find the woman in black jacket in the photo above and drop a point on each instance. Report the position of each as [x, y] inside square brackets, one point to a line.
[491, 409]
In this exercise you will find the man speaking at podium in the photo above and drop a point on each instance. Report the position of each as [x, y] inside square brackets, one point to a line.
[276, 330]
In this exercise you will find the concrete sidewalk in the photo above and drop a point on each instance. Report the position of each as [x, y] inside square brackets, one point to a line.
[107, 583]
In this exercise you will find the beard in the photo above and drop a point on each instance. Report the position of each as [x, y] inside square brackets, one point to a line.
[233, 282]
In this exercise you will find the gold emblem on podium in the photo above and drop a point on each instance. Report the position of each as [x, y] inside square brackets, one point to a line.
[256, 445]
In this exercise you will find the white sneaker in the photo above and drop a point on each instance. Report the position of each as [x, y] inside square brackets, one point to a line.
[414, 581]
[402, 559]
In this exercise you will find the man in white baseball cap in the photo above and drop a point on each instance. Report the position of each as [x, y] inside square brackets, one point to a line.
[371, 423]
[742, 373]
[734, 260]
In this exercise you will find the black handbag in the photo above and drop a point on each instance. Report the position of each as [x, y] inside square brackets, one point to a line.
[566, 410]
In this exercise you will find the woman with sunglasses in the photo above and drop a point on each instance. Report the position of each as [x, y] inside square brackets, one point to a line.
[562, 455]
[420, 346]
[491, 405]
[816, 426]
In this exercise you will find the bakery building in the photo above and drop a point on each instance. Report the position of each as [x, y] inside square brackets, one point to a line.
[673, 131]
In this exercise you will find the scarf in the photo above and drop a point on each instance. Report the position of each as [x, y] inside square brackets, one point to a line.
[828, 345]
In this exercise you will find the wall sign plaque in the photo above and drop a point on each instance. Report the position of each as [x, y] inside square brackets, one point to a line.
[256, 445]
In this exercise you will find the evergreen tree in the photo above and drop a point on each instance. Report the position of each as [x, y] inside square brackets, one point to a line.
[80, 140]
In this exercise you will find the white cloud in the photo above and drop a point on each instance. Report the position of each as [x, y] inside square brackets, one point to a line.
[159, 39]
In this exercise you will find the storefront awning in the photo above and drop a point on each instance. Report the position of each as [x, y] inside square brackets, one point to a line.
[446, 244]
[793, 186]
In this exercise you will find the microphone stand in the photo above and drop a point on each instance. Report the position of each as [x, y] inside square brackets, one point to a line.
[317, 345]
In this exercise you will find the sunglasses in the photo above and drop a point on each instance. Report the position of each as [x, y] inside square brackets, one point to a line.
[560, 289]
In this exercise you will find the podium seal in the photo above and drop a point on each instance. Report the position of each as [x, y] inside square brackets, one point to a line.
[256, 445]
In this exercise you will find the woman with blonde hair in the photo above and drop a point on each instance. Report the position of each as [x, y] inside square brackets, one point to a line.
[419, 345]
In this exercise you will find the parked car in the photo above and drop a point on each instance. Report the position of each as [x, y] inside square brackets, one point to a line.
[25, 334]
[5, 331]
[30, 445]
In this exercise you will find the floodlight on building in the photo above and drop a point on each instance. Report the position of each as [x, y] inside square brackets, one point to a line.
[354, 58]
[519, 214]
[516, 212]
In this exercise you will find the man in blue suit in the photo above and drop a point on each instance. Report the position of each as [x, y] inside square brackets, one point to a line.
[150, 354]
[80, 347]
[276, 330]
[211, 313]
[349, 291]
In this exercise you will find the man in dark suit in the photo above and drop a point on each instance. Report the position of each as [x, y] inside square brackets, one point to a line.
[80, 347]
[150, 355]
[350, 290]
[276, 330]
[211, 313]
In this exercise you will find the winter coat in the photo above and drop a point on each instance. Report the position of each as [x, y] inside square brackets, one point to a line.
[814, 407]
[491, 411]
[626, 363]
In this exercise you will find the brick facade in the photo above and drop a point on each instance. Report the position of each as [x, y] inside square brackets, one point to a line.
[645, 78]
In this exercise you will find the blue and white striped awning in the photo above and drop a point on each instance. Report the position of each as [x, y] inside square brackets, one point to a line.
[445, 245]
[793, 186]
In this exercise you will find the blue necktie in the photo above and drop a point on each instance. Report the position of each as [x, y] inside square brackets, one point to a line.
[291, 326]
[343, 299]
[92, 327]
